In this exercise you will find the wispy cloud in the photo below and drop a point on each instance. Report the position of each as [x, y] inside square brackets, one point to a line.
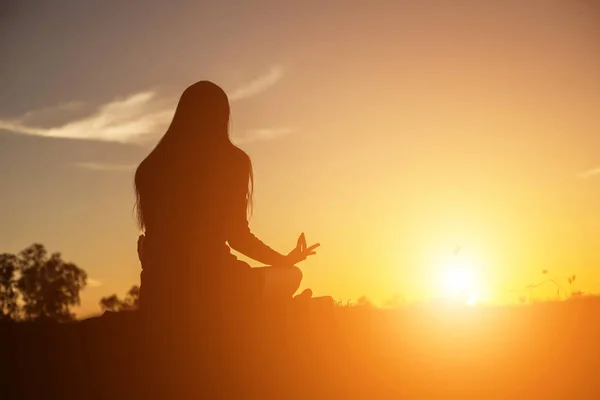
[56, 115]
[257, 135]
[123, 120]
[589, 173]
[94, 166]
[93, 283]
[259, 84]
[126, 120]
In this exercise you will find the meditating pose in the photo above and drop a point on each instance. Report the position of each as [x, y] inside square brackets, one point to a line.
[193, 197]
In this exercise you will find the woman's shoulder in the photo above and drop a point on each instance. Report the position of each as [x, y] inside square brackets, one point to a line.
[240, 157]
[241, 154]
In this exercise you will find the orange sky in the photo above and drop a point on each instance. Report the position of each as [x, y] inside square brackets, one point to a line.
[389, 133]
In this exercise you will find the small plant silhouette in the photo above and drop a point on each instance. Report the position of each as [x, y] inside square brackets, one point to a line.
[561, 293]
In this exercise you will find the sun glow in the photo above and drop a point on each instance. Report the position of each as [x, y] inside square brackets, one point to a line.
[459, 278]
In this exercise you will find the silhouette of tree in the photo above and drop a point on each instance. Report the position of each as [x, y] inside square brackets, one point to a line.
[9, 308]
[114, 304]
[49, 285]
[133, 296]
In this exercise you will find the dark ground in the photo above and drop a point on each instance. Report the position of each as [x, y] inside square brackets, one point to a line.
[546, 351]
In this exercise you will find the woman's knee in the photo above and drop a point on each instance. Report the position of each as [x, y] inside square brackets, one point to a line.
[281, 281]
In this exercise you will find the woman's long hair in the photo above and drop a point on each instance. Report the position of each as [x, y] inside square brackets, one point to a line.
[198, 131]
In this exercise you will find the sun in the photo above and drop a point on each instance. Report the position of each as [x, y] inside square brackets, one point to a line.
[458, 278]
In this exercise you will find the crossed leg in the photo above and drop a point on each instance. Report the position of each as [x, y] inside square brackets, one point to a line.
[279, 282]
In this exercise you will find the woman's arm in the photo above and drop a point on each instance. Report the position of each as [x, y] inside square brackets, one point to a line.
[240, 237]
[244, 241]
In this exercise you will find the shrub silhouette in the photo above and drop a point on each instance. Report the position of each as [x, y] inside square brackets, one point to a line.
[115, 304]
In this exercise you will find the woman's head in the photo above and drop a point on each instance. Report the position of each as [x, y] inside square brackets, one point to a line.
[201, 116]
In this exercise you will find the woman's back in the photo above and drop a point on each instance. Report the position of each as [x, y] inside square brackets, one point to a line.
[184, 218]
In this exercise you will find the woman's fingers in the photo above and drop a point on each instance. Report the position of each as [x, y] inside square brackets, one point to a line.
[314, 246]
[310, 251]
[301, 252]
[301, 243]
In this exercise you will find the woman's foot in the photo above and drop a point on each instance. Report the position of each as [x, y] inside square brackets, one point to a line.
[305, 295]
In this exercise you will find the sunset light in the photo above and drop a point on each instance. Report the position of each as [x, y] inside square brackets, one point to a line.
[300, 200]
[459, 278]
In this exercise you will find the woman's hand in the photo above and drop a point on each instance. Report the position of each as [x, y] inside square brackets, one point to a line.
[301, 252]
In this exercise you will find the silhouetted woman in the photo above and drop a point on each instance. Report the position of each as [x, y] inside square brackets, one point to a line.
[194, 191]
